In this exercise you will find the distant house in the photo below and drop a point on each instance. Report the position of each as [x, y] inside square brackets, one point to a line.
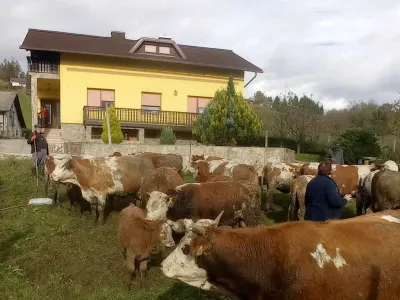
[152, 82]
[18, 82]
[11, 119]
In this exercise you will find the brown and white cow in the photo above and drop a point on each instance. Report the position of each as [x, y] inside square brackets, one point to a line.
[309, 169]
[385, 191]
[241, 202]
[298, 188]
[205, 171]
[161, 179]
[101, 177]
[279, 176]
[138, 238]
[295, 260]
[206, 158]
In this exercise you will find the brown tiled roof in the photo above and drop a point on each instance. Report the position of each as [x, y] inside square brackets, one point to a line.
[118, 46]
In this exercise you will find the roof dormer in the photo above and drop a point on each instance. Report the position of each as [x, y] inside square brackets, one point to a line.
[163, 46]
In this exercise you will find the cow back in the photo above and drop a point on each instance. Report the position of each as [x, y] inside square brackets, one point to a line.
[207, 200]
[161, 179]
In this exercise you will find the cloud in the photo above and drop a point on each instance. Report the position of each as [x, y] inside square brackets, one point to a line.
[335, 49]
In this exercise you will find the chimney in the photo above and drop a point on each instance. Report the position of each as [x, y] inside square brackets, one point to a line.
[165, 38]
[118, 35]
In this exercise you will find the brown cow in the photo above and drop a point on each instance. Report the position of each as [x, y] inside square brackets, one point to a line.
[205, 171]
[138, 238]
[164, 160]
[241, 201]
[102, 177]
[385, 191]
[298, 193]
[161, 179]
[295, 260]
[221, 178]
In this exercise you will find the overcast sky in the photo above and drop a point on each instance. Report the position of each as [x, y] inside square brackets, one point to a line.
[338, 50]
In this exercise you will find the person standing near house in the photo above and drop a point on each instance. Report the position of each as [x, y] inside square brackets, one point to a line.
[335, 154]
[45, 116]
[39, 148]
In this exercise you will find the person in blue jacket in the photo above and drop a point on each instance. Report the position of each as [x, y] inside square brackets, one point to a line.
[323, 201]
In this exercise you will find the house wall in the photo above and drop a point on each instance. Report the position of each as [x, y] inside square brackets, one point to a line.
[10, 128]
[130, 78]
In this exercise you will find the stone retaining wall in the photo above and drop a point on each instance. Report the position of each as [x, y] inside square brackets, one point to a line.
[256, 156]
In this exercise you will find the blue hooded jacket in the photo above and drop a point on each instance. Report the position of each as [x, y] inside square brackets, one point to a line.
[323, 201]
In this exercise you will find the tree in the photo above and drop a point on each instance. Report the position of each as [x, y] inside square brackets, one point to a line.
[228, 120]
[357, 143]
[303, 117]
[259, 98]
[167, 136]
[280, 128]
[10, 69]
[116, 133]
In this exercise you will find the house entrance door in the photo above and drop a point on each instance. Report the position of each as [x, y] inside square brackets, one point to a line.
[53, 108]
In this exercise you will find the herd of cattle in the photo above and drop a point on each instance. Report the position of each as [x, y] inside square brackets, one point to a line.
[214, 224]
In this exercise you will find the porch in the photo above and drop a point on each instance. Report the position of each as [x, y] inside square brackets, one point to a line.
[94, 115]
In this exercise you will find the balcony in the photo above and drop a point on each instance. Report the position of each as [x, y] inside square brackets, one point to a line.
[93, 115]
[43, 66]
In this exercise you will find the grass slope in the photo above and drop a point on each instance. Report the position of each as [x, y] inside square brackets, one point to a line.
[54, 253]
[25, 101]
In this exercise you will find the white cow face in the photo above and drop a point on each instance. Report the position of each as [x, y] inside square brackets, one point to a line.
[157, 206]
[62, 172]
[181, 265]
[166, 236]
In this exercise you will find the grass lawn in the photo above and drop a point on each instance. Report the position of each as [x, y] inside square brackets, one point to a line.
[25, 101]
[54, 253]
[306, 157]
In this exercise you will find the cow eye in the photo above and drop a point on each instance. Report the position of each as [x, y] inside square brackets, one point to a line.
[185, 249]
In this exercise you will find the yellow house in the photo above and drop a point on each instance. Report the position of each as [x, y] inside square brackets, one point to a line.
[152, 82]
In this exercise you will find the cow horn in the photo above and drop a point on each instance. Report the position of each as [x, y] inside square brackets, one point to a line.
[198, 230]
[218, 218]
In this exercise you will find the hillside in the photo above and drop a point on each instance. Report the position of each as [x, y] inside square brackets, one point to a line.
[25, 101]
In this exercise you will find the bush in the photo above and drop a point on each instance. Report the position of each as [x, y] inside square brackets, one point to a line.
[358, 143]
[116, 132]
[25, 133]
[228, 120]
[167, 136]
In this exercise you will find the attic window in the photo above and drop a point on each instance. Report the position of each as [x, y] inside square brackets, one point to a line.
[150, 48]
[164, 50]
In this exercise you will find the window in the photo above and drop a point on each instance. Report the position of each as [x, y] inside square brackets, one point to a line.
[151, 102]
[100, 98]
[164, 50]
[197, 104]
[150, 48]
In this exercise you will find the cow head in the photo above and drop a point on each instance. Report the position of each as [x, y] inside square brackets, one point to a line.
[390, 165]
[181, 263]
[158, 205]
[62, 170]
[200, 170]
